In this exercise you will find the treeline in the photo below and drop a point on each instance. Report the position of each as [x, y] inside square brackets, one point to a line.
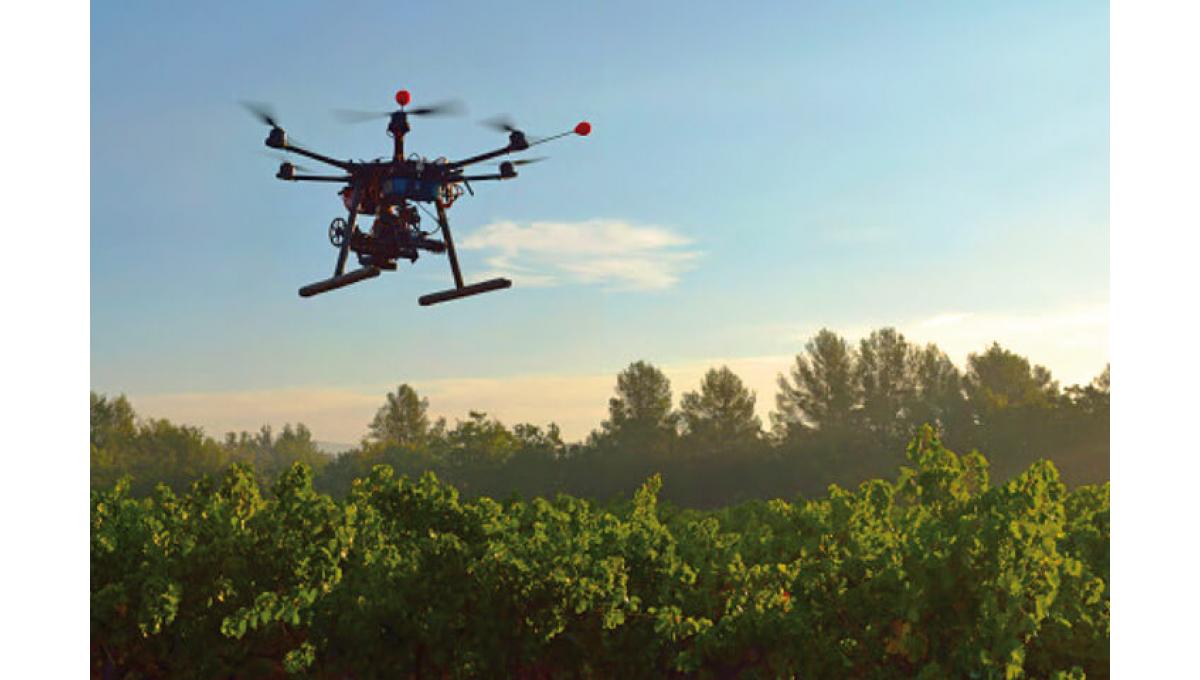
[842, 415]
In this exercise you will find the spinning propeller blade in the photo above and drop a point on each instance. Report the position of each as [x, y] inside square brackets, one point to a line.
[522, 161]
[286, 159]
[262, 111]
[502, 122]
[450, 107]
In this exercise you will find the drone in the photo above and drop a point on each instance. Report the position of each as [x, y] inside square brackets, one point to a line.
[389, 191]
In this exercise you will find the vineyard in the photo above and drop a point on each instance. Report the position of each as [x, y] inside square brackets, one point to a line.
[936, 574]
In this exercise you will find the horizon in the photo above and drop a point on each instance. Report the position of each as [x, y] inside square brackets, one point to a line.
[578, 403]
[751, 177]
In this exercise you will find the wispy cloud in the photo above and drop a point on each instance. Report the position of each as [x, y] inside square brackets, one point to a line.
[613, 253]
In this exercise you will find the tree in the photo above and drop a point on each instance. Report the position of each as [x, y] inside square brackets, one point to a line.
[1013, 406]
[720, 417]
[479, 440]
[634, 442]
[403, 419]
[295, 444]
[822, 393]
[535, 466]
[885, 376]
[114, 426]
[112, 420]
[643, 402]
[938, 399]
[1093, 398]
[175, 455]
[998, 380]
[1082, 428]
[271, 455]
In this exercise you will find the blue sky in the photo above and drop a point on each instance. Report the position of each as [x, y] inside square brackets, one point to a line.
[754, 174]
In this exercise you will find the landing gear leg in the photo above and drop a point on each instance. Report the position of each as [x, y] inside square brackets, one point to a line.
[459, 290]
[340, 278]
[341, 261]
[445, 225]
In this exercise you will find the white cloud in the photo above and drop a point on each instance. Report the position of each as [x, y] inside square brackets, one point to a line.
[616, 254]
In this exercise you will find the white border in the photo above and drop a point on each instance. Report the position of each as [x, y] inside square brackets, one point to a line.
[45, 289]
[1155, 186]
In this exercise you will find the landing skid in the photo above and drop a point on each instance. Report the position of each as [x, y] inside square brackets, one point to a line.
[464, 291]
[339, 281]
[376, 261]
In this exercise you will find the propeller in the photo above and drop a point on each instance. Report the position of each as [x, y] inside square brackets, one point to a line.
[262, 111]
[451, 107]
[355, 116]
[522, 161]
[502, 122]
[286, 159]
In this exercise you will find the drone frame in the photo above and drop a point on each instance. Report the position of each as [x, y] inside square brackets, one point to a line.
[359, 175]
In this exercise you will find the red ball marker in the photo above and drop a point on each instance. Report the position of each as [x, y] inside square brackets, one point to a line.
[583, 129]
[403, 97]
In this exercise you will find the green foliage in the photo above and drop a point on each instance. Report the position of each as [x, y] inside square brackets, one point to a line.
[720, 417]
[823, 392]
[640, 415]
[938, 574]
[403, 419]
[845, 413]
[271, 456]
[885, 374]
[149, 452]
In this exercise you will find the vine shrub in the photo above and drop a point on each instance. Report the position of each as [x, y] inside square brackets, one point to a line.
[936, 574]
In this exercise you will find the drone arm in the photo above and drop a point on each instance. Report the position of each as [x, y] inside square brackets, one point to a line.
[518, 142]
[484, 178]
[485, 156]
[318, 178]
[315, 156]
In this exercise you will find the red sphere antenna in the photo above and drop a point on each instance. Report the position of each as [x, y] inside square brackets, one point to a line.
[583, 129]
[403, 97]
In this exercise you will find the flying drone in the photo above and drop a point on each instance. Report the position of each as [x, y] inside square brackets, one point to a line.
[389, 191]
